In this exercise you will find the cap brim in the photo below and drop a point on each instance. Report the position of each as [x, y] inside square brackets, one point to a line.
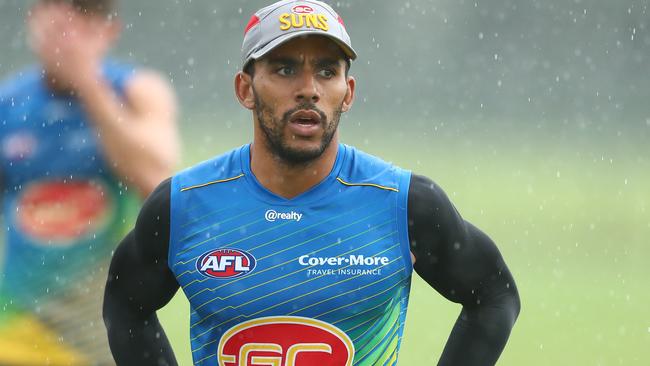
[347, 50]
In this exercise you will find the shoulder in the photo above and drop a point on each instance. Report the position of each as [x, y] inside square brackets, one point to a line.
[430, 211]
[148, 84]
[427, 197]
[151, 94]
[158, 201]
[137, 82]
[227, 166]
[424, 190]
[118, 72]
[147, 80]
[19, 83]
[155, 211]
[433, 220]
[361, 167]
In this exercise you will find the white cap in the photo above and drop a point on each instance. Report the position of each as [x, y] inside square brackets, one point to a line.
[276, 24]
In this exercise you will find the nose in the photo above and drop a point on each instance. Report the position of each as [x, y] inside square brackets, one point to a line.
[308, 90]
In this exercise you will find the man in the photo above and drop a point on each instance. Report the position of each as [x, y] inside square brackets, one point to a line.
[82, 136]
[294, 250]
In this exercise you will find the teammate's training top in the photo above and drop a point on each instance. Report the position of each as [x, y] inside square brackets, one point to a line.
[320, 279]
[64, 211]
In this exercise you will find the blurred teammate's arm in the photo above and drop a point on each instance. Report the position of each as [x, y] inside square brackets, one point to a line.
[138, 134]
[140, 283]
[139, 138]
[3, 118]
[464, 265]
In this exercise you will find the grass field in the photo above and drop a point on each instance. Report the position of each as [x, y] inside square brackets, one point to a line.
[571, 218]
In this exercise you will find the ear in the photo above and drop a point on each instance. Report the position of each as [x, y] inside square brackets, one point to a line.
[349, 94]
[34, 33]
[244, 90]
[33, 10]
[114, 29]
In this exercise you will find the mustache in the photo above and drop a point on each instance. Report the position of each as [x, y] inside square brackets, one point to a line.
[304, 107]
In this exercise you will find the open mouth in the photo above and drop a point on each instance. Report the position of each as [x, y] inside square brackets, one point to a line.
[305, 118]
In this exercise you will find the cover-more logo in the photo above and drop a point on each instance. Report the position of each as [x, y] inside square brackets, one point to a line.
[349, 265]
[285, 341]
[273, 215]
[353, 260]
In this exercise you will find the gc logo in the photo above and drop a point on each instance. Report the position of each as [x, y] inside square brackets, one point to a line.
[285, 341]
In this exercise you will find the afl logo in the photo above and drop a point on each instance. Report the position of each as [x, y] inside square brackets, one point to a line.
[19, 146]
[302, 9]
[225, 263]
[52, 212]
[285, 341]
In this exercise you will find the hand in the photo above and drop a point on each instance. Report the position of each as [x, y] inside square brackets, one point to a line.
[70, 45]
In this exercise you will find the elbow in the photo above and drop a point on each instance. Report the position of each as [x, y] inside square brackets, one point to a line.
[517, 304]
[162, 170]
[506, 297]
[500, 315]
[501, 308]
[146, 184]
[159, 166]
[108, 307]
[516, 307]
[116, 311]
[511, 306]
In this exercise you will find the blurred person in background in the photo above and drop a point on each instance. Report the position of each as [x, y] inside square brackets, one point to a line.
[297, 249]
[82, 138]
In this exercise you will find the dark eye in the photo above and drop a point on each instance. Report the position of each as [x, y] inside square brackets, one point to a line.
[286, 71]
[326, 73]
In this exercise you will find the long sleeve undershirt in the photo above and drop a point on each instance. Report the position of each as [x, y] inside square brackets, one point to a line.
[453, 256]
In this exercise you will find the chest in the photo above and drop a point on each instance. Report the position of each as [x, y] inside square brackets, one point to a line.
[252, 260]
[48, 137]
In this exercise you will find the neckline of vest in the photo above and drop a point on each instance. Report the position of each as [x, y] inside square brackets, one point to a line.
[318, 192]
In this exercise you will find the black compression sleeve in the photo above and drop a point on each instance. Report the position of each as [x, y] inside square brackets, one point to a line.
[464, 265]
[140, 283]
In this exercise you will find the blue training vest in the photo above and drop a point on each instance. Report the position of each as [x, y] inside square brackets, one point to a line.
[63, 206]
[320, 279]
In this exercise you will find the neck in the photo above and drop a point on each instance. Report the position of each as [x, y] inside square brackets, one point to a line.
[56, 86]
[290, 180]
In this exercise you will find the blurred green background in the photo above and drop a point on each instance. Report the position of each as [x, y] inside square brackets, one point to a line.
[532, 115]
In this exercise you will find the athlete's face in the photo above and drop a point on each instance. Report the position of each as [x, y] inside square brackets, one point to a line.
[298, 92]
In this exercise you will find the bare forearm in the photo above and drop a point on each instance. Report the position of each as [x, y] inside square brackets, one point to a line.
[143, 156]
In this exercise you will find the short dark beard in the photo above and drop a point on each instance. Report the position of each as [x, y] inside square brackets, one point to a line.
[274, 132]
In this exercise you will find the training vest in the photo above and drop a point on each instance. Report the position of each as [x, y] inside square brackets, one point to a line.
[64, 210]
[64, 213]
[319, 279]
